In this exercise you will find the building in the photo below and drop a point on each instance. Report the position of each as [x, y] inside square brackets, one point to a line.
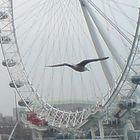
[1, 117]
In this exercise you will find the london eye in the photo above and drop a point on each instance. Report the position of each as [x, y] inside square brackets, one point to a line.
[35, 34]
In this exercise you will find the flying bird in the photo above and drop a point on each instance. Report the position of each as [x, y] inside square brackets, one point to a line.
[80, 67]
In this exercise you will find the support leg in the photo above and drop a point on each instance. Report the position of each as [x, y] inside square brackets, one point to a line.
[33, 134]
[40, 135]
[92, 133]
[101, 129]
[128, 126]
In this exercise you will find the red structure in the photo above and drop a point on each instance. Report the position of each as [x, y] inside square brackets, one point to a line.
[34, 119]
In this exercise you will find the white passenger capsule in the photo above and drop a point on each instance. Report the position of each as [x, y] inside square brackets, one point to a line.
[127, 104]
[5, 40]
[22, 103]
[16, 84]
[9, 62]
[136, 79]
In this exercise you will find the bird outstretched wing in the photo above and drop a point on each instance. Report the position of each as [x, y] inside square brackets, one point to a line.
[84, 62]
[59, 65]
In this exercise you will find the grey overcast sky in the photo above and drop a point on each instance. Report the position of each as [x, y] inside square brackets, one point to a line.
[6, 93]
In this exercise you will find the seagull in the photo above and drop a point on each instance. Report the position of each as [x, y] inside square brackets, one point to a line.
[80, 67]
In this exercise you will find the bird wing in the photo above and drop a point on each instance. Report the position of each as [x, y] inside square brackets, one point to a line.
[84, 62]
[58, 65]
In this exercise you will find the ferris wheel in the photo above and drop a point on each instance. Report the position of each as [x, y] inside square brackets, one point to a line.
[36, 34]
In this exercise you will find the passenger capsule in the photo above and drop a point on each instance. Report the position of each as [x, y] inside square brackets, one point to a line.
[127, 104]
[9, 62]
[3, 15]
[136, 79]
[114, 122]
[5, 40]
[15, 84]
[22, 103]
